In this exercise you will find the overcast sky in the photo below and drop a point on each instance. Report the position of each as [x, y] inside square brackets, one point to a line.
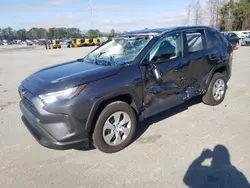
[107, 14]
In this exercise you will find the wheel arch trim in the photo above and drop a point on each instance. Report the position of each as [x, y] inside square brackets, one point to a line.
[136, 104]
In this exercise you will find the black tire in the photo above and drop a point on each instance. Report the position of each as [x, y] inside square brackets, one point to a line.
[98, 140]
[208, 98]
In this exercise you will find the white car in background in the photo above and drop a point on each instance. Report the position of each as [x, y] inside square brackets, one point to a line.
[243, 34]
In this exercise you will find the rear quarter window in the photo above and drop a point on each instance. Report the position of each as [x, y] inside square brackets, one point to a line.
[233, 35]
[215, 38]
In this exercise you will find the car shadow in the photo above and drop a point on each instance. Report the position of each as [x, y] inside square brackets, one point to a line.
[220, 174]
[144, 125]
[84, 148]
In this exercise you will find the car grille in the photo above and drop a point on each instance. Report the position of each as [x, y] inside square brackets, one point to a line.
[30, 106]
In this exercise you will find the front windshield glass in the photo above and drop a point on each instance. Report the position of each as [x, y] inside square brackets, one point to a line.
[118, 51]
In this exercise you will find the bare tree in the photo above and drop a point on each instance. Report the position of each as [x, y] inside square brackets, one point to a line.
[189, 10]
[212, 11]
[197, 8]
[213, 7]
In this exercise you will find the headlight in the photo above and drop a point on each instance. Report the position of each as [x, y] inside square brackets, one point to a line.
[49, 98]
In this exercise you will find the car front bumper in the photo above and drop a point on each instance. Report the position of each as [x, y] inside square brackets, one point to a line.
[43, 137]
[53, 130]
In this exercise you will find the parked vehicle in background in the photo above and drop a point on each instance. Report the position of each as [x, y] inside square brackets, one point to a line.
[99, 99]
[29, 42]
[72, 43]
[245, 34]
[233, 39]
[56, 44]
[97, 41]
[64, 41]
[81, 42]
[245, 41]
[90, 41]
[241, 34]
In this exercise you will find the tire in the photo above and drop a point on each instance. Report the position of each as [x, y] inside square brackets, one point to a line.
[210, 98]
[109, 112]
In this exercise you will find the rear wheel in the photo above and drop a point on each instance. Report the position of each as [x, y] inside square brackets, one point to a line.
[216, 90]
[115, 127]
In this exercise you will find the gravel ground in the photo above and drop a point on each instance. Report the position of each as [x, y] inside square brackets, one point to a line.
[161, 154]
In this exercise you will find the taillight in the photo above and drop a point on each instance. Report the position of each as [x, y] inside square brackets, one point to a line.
[233, 48]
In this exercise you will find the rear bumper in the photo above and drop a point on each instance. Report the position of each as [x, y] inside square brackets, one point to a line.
[44, 137]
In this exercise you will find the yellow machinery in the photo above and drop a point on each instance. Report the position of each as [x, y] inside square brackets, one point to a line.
[97, 42]
[84, 42]
[72, 43]
[79, 42]
[90, 42]
[56, 44]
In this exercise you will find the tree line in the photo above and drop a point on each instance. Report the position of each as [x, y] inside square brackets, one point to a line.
[235, 15]
[52, 33]
[223, 14]
[226, 15]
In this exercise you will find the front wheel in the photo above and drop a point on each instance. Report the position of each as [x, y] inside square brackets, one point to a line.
[115, 127]
[216, 90]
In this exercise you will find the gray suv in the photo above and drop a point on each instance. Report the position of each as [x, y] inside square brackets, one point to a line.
[100, 98]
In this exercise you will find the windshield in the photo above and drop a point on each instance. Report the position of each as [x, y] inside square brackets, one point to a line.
[118, 51]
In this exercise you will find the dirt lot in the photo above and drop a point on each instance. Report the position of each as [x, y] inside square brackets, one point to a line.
[164, 148]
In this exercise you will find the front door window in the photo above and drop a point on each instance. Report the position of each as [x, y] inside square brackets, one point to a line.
[168, 48]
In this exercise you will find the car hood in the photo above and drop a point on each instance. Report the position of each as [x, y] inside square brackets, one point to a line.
[246, 39]
[70, 74]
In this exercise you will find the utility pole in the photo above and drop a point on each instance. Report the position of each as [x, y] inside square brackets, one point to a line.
[91, 14]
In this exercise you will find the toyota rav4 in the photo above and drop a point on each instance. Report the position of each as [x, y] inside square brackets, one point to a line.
[100, 98]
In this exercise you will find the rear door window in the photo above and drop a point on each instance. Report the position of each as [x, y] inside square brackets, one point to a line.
[196, 41]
